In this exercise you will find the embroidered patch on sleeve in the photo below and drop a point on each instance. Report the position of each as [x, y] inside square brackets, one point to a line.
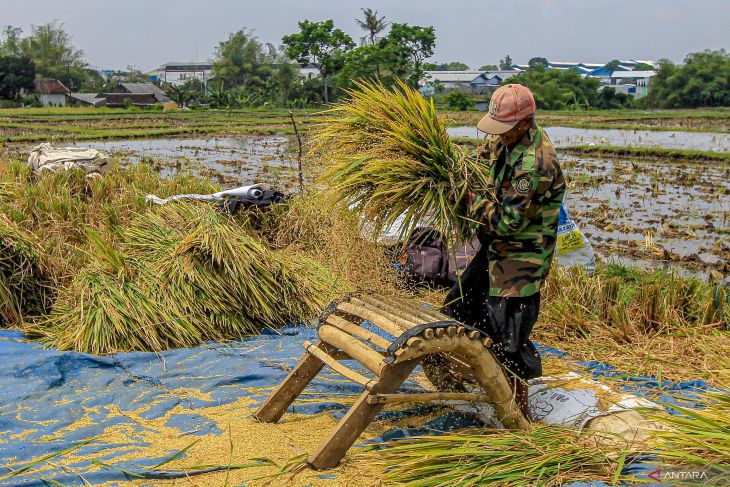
[523, 185]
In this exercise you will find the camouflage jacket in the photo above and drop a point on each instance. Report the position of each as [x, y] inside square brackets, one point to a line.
[519, 212]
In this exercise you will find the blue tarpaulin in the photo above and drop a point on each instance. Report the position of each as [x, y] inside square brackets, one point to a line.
[45, 392]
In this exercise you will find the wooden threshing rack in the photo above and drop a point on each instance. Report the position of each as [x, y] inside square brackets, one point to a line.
[450, 352]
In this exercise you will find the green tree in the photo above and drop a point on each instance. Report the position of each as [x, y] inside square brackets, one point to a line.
[372, 24]
[458, 100]
[555, 89]
[285, 77]
[457, 66]
[538, 61]
[366, 62]
[16, 73]
[241, 60]
[702, 81]
[180, 94]
[609, 98]
[50, 48]
[452, 66]
[408, 46]
[506, 63]
[219, 97]
[489, 67]
[612, 65]
[319, 44]
[642, 67]
[12, 37]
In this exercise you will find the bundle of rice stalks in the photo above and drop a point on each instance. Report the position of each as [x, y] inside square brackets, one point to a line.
[25, 286]
[115, 304]
[388, 154]
[183, 274]
[697, 436]
[541, 456]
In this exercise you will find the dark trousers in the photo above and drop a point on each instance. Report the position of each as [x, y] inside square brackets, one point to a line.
[507, 321]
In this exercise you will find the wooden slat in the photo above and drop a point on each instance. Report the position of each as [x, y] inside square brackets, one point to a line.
[369, 357]
[431, 312]
[402, 312]
[351, 426]
[335, 365]
[403, 323]
[425, 397]
[385, 324]
[358, 331]
[306, 370]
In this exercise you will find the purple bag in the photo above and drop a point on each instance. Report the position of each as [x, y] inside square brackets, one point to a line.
[426, 258]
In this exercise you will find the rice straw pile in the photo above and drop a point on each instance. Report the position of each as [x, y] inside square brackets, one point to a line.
[545, 455]
[181, 275]
[697, 436]
[388, 154]
[24, 284]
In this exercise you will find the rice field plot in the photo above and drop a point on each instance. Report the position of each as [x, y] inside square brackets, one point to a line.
[699, 120]
[69, 124]
[675, 213]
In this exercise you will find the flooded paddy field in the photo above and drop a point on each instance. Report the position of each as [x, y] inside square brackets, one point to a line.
[667, 214]
[571, 136]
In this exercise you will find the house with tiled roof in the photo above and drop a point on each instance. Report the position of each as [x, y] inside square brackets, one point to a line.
[51, 92]
[138, 94]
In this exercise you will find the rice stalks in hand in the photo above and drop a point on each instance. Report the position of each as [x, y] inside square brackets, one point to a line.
[387, 153]
[545, 455]
[25, 284]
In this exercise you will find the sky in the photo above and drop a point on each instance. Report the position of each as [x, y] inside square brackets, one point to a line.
[147, 33]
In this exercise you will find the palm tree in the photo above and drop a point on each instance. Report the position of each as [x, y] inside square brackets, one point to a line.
[372, 24]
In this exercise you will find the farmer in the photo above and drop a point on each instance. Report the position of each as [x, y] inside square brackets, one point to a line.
[518, 212]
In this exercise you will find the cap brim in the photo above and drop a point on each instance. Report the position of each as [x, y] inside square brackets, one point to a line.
[489, 125]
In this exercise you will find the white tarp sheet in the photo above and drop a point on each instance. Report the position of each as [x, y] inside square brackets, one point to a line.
[45, 157]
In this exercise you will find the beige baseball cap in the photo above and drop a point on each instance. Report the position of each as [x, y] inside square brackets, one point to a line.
[509, 104]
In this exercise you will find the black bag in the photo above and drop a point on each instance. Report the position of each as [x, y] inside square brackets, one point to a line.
[426, 258]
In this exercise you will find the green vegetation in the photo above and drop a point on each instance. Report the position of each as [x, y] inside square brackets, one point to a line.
[321, 45]
[458, 100]
[556, 90]
[702, 81]
[629, 306]
[49, 47]
[16, 73]
[452, 66]
[42, 124]
[687, 155]
[698, 436]
[700, 120]
[398, 56]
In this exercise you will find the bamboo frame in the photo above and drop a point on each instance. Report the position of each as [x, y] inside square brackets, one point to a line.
[458, 353]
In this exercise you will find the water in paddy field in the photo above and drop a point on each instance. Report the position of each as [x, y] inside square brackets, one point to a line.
[229, 161]
[568, 136]
[671, 213]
